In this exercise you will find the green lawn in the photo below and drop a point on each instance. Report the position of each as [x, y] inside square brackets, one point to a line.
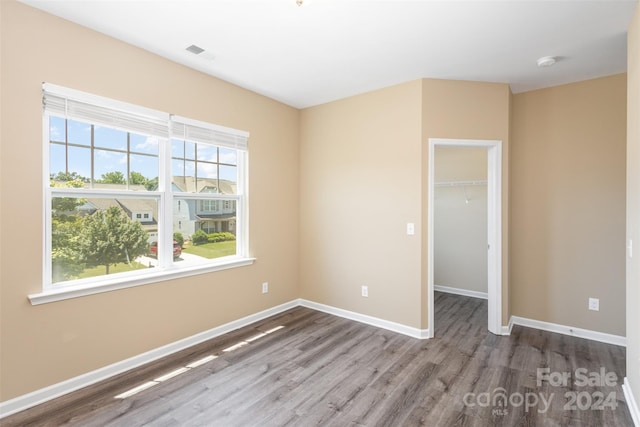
[212, 250]
[118, 268]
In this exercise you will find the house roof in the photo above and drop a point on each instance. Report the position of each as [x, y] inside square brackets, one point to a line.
[188, 184]
[224, 217]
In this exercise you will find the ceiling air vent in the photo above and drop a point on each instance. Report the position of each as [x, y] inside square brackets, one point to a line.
[197, 50]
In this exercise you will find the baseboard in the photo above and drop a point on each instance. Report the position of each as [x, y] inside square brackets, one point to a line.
[569, 330]
[458, 291]
[631, 402]
[506, 330]
[37, 397]
[369, 320]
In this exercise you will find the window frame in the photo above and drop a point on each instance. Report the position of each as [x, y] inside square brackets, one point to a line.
[164, 197]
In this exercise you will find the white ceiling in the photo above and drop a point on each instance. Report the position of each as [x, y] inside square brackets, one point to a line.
[330, 49]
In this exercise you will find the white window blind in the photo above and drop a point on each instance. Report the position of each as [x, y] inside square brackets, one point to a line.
[87, 108]
[72, 104]
[196, 131]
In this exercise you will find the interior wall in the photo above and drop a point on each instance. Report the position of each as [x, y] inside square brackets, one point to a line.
[46, 344]
[460, 218]
[359, 187]
[633, 206]
[568, 204]
[467, 110]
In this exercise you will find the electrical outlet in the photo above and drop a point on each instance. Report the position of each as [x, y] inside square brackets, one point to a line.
[365, 291]
[594, 304]
[265, 287]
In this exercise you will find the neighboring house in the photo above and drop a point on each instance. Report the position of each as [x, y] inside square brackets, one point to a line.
[189, 215]
[211, 216]
[144, 211]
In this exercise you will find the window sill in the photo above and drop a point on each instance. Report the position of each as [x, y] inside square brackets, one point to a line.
[69, 292]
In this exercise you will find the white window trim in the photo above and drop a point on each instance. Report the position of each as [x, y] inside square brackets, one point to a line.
[80, 290]
[56, 292]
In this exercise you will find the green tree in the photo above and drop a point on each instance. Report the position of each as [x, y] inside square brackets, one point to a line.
[109, 237]
[64, 176]
[115, 177]
[136, 178]
[66, 227]
[152, 184]
[179, 238]
[66, 258]
[66, 205]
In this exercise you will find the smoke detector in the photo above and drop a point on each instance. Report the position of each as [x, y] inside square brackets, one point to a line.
[546, 61]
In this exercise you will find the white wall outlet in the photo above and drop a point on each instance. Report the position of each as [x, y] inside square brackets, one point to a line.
[594, 304]
[411, 229]
[365, 291]
[265, 287]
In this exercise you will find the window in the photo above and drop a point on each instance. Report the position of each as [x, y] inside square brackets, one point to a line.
[122, 179]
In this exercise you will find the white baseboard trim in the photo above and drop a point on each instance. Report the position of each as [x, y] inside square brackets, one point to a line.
[37, 397]
[369, 320]
[506, 330]
[569, 330]
[631, 402]
[458, 291]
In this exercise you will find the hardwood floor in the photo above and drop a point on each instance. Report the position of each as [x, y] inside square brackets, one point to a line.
[320, 369]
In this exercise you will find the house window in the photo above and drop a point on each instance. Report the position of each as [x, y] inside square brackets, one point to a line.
[209, 205]
[104, 162]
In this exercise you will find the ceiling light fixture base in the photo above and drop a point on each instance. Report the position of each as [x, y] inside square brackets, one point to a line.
[546, 61]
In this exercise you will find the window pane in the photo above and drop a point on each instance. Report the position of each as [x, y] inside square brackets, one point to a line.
[93, 237]
[208, 170]
[190, 150]
[78, 132]
[228, 179]
[183, 178]
[80, 162]
[208, 228]
[110, 138]
[57, 162]
[228, 156]
[143, 144]
[183, 149]
[57, 129]
[207, 153]
[110, 167]
[144, 172]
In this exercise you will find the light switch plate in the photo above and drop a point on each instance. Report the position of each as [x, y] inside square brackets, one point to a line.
[411, 229]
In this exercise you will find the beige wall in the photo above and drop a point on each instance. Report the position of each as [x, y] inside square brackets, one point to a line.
[633, 206]
[363, 169]
[346, 176]
[568, 203]
[42, 345]
[359, 186]
[468, 110]
[460, 219]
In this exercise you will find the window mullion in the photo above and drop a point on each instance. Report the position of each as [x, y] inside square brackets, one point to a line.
[165, 222]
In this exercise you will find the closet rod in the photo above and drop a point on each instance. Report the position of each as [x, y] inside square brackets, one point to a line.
[459, 183]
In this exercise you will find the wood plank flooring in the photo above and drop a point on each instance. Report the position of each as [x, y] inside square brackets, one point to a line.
[323, 370]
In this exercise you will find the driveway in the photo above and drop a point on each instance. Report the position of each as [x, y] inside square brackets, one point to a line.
[184, 259]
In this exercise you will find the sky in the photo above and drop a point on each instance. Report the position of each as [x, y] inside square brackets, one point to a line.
[143, 157]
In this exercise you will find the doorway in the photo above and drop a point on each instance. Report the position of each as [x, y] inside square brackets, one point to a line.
[494, 228]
